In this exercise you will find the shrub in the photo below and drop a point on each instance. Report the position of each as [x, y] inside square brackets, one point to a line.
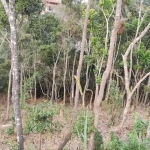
[40, 118]
[136, 139]
[98, 141]
[114, 104]
[140, 127]
[135, 143]
[79, 126]
[114, 143]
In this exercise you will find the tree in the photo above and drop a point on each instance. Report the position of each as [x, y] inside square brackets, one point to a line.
[81, 54]
[10, 11]
[113, 39]
[126, 72]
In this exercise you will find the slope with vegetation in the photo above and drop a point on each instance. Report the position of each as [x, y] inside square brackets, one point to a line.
[83, 75]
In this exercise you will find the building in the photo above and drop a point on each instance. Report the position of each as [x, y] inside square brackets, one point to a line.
[49, 5]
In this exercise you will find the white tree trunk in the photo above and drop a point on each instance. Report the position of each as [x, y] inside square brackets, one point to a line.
[10, 11]
[8, 96]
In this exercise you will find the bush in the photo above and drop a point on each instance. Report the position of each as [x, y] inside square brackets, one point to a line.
[136, 138]
[79, 126]
[114, 143]
[135, 143]
[10, 130]
[98, 141]
[114, 104]
[140, 128]
[40, 118]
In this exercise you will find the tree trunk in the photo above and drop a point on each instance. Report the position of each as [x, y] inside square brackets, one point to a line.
[86, 86]
[8, 96]
[127, 82]
[65, 73]
[109, 62]
[35, 80]
[72, 82]
[128, 103]
[10, 11]
[146, 95]
[54, 74]
[53, 85]
[81, 54]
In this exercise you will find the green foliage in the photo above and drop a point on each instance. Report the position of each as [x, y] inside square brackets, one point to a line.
[99, 79]
[80, 123]
[98, 141]
[26, 89]
[12, 144]
[136, 143]
[114, 143]
[140, 128]
[26, 8]
[136, 139]
[107, 6]
[4, 73]
[75, 6]
[3, 17]
[29, 7]
[143, 55]
[10, 130]
[114, 104]
[40, 118]
[85, 131]
[45, 28]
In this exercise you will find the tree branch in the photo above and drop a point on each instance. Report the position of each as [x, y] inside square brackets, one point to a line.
[126, 55]
[136, 86]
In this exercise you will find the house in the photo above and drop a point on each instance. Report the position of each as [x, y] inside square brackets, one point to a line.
[49, 5]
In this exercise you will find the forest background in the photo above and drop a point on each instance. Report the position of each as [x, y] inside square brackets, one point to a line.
[91, 56]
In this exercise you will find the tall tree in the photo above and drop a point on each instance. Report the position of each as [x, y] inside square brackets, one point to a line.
[10, 11]
[82, 53]
[113, 39]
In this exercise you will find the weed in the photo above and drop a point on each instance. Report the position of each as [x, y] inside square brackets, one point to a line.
[10, 130]
[114, 104]
[136, 139]
[40, 118]
[98, 141]
[114, 143]
[12, 144]
[140, 127]
[84, 121]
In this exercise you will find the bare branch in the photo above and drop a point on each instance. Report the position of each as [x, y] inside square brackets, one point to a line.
[137, 39]
[136, 86]
[126, 55]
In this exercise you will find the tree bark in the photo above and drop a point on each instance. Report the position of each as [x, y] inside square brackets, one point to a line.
[81, 54]
[128, 103]
[109, 63]
[72, 81]
[127, 81]
[67, 138]
[8, 96]
[65, 74]
[10, 11]
[54, 74]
